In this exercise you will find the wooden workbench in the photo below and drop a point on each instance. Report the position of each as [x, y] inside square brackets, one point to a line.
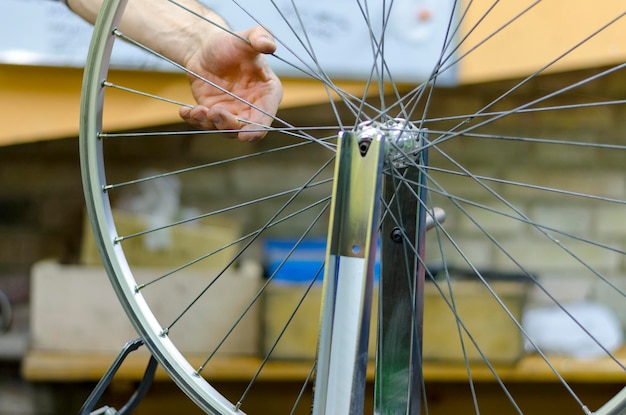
[535, 387]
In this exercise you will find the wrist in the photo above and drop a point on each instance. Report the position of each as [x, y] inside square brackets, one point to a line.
[200, 34]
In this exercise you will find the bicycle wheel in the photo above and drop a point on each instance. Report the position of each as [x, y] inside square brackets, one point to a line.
[520, 106]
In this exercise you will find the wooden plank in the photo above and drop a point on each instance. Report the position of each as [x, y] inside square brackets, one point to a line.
[538, 36]
[66, 367]
[43, 103]
[534, 368]
[72, 367]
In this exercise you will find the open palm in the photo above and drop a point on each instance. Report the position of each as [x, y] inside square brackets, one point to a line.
[235, 88]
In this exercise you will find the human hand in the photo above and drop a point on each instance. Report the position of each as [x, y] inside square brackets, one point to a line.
[240, 68]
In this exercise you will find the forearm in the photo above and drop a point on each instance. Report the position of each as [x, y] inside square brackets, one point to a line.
[160, 25]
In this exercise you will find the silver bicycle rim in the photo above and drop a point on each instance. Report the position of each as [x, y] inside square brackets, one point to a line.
[121, 273]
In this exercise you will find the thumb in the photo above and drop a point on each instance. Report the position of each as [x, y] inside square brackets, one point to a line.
[261, 40]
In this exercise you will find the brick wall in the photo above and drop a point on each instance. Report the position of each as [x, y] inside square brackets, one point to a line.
[592, 171]
[40, 206]
[41, 198]
[41, 202]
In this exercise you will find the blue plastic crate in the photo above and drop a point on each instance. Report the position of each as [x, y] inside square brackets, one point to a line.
[304, 263]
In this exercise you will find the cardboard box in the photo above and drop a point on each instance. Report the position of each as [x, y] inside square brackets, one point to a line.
[74, 309]
[489, 325]
[493, 330]
[299, 340]
[176, 246]
[289, 283]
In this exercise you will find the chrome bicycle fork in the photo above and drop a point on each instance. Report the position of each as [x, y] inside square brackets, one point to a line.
[363, 155]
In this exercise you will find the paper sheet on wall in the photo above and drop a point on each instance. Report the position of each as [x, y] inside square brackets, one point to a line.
[43, 32]
[47, 33]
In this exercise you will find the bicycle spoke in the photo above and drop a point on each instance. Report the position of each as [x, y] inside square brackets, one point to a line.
[523, 157]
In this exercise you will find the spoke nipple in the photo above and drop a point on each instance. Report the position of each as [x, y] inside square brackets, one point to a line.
[164, 332]
[396, 235]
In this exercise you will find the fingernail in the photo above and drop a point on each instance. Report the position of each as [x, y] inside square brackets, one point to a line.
[216, 120]
[200, 117]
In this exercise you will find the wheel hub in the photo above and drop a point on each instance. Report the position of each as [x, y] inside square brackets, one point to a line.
[403, 140]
